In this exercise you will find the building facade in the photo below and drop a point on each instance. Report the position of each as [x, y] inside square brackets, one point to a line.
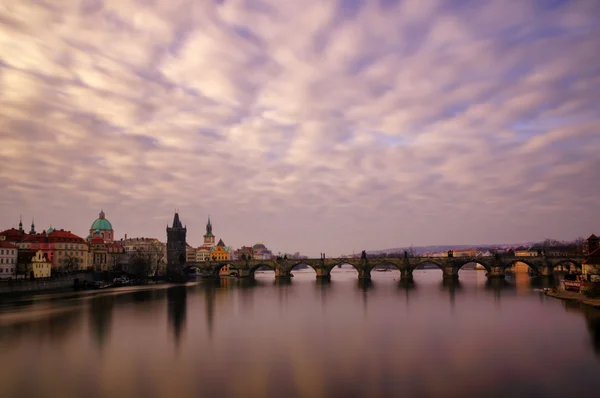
[41, 267]
[220, 252]
[103, 228]
[8, 259]
[591, 264]
[209, 238]
[260, 252]
[176, 244]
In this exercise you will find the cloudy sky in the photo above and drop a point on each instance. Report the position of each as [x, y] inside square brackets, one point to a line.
[312, 126]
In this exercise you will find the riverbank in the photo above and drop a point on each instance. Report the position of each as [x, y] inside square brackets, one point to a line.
[576, 296]
[26, 286]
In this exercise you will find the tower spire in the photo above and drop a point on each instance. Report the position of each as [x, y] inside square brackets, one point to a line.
[32, 232]
[21, 223]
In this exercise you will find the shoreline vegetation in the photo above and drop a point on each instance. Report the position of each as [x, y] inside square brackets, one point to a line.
[573, 296]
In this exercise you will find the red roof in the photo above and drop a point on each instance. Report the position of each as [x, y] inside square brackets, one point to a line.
[97, 240]
[7, 245]
[592, 237]
[55, 236]
[13, 235]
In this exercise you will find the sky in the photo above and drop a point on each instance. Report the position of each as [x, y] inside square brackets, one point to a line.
[313, 126]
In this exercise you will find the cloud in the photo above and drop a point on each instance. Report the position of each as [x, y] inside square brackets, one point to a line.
[378, 123]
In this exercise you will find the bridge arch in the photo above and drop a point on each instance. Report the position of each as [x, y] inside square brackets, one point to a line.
[255, 267]
[533, 265]
[331, 267]
[464, 262]
[384, 262]
[307, 263]
[422, 262]
[565, 261]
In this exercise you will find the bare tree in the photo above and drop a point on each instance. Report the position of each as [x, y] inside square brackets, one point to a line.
[71, 263]
[140, 264]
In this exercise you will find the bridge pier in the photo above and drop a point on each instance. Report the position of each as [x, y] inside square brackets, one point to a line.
[364, 273]
[406, 274]
[323, 273]
[244, 273]
[450, 273]
[282, 273]
[546, 271]
[496, 272]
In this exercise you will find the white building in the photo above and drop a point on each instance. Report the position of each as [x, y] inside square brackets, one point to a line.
[8, 260]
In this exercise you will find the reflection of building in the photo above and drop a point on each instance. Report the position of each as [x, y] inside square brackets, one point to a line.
[103, 227]
[220, 251]
[260, 252]
[8, 259]
[40, 265]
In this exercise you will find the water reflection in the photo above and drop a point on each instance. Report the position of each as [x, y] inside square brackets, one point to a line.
[101, 315]
[177, 300]
[303, 337]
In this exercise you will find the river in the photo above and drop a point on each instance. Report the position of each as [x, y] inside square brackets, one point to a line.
[304, 338]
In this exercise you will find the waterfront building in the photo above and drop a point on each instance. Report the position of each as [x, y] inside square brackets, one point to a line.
[243, 251]
[260, 252]
[209, 238]
[62, 248]
[40, 266]
[103, 227]
[8, 259]
[13, 235]
[591, 264]
[176, 243]
[220, 252]
[190, 253]
[203, 253]
[465, 252]
[523, 251]
[104, 255]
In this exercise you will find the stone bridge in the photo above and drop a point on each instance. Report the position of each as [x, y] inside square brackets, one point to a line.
[495, 266]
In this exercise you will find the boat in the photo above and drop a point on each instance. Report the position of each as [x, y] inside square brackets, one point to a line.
[572, 283]
[383, 270]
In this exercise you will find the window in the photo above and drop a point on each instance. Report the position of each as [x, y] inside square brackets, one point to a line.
[2, 251]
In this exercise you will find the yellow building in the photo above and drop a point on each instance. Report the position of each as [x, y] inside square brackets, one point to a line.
[227, 270]
[41, 267]
[220, 252]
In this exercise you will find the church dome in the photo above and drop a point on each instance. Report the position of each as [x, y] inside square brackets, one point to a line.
[259, 246]
[101, 223]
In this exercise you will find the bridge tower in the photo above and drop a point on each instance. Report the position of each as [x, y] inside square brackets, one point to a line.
[176, 247]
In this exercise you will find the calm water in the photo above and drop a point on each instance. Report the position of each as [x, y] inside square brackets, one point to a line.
[302, 339]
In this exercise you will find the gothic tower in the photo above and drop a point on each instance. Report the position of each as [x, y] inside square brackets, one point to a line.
[176, 246]
[209, 238]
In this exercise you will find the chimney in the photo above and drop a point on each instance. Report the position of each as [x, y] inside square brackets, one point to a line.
[125, 236]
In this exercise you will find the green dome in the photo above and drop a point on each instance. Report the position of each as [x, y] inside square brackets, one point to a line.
[101, 224]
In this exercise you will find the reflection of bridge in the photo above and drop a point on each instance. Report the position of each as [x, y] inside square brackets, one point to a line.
[495, 266]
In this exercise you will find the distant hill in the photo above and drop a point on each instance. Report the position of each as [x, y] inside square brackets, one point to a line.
[442, 248]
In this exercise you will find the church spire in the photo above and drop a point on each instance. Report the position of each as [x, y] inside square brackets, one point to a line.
[208, 227]
[176, 221]
[21, 223]
[32, 232]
